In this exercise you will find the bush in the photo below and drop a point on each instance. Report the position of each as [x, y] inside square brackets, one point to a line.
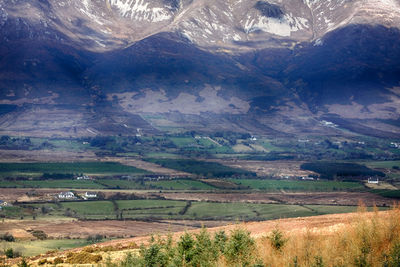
[39, 234]
[10, 253]
[394, 256]
[82, 258]
[185, 249]
[23, 263]
[240, 248]
[205, 253]
[58, 260]
[220, 239]
[94, 238]
[7, 237]
[277, 240]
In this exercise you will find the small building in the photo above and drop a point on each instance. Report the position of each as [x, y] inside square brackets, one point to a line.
[90, 195]
[66, 195]
[83, 177]
[373, 180]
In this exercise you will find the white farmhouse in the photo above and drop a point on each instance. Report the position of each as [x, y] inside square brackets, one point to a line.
[90, 195]
[373, 180]
[66, 195]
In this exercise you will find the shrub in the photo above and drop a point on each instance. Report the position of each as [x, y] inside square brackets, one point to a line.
[205, 253]
[94, 238]
[7, 237]
[9, 253]
[39, 234]
[220, 239]
[130, 261]
[153, 256]
[82, 258]
[23, 263]
[58, 260]
[277, 240]
[240, 248]
[394, 256]
[185, 249]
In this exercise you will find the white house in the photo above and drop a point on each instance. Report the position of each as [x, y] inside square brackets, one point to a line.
[373, 180]
[90, 195]
[66, 195]
[84, 177]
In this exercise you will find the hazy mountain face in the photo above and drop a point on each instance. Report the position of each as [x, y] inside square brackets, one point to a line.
[259, 66]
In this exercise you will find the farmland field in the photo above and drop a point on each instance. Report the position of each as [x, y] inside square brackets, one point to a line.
[209, 169]
[35, 247]
[181, 185]
[293, 185]
[37, 169]
[179, 209]
[84, 184]
[383, 164]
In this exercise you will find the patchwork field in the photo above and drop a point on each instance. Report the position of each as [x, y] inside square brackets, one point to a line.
[89, 168]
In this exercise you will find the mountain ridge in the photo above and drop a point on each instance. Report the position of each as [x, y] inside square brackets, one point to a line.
[56, 54]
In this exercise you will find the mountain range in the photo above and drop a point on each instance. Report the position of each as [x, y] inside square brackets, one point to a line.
[277, 67]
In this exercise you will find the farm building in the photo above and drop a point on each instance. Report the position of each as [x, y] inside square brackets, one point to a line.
[373, 180]
[83, 177]
[66, 195]
[88, 195]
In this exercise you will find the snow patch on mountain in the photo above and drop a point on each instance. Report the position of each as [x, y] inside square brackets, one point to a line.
[140, 10]
[282, 27]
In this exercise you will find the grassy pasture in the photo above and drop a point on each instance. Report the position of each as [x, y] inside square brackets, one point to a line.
[170, 209]
[120, 184]
[36, 247]
[293, 185]
[181, 185]
[37, 169]
[148, 203]
[78, 184]
[383, 164]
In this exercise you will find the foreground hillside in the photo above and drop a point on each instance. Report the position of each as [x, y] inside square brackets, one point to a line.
[356, 239]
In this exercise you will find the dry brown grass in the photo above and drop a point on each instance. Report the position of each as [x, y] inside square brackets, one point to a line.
[368, 239]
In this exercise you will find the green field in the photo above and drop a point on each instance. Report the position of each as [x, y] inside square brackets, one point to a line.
[120, 184]
[183, 141]
[383, 164]
[82, 184]
[248, 211]
[130, 209]
[180, 185]
[148, 203]
[293, 185]
[32, 248]
[203, 168]
[92, 209]
[170, 209]
[37, 169]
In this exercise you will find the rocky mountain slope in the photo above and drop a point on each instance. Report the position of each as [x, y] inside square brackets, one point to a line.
[232, 65]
